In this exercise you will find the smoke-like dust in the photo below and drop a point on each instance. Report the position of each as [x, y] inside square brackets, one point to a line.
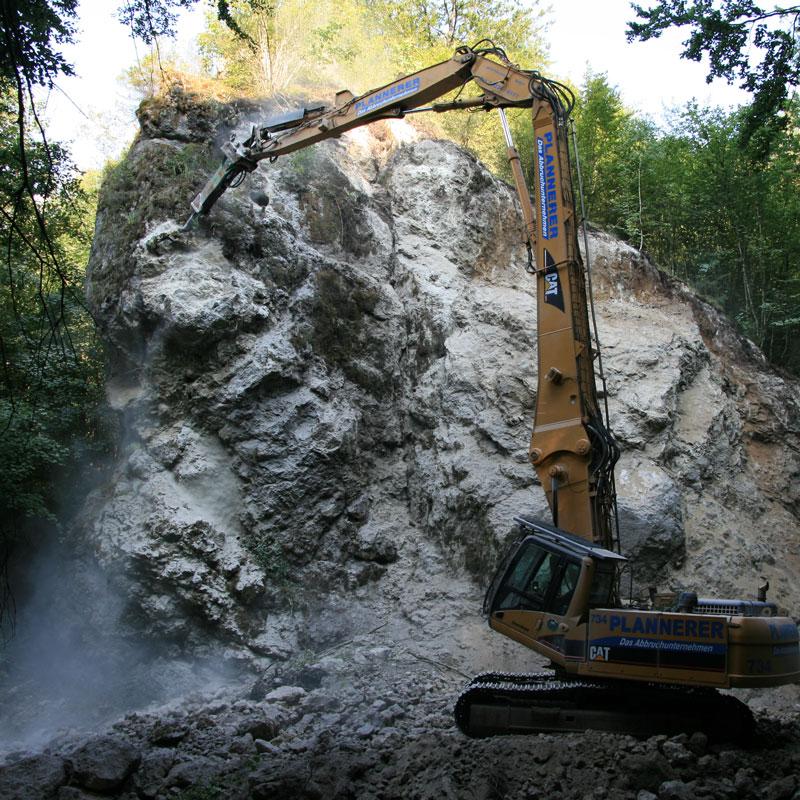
[76, 661]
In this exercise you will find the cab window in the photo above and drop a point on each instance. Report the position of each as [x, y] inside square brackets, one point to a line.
[602, 584]
[527, 585]
[566, 588]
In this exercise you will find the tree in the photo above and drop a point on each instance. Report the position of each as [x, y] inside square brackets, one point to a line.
[418, 31]
[284, 46]
[727, 31]
[150, 19]
[612, 141]
[308, 48]
[744, 221]
[711, 215]
[49, 356]
[51, 393]
[698, 201]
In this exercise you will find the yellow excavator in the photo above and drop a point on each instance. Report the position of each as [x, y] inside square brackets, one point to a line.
[639, 668]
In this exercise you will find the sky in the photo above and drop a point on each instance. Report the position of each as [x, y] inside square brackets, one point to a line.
[96, 113]
[651, 75]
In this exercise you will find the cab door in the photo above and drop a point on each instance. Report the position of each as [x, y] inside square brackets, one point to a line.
[532, 594]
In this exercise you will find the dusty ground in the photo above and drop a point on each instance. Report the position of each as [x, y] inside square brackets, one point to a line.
[371, 718]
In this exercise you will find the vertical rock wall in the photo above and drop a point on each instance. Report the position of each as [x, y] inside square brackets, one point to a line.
[327, 400]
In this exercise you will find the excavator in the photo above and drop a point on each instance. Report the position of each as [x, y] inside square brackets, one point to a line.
[641, 667]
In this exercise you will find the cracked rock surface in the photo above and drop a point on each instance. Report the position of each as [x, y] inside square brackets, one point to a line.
[316, 390]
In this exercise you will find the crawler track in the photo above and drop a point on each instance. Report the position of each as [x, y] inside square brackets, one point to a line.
[499, 704]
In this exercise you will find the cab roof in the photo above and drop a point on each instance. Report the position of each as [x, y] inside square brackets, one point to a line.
[568, 541]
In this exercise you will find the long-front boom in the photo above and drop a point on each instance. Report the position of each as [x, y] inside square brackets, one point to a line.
[571, 449]
[502, 84]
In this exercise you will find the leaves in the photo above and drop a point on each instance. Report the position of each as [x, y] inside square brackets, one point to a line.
[704, 205]
[52, 362]
[31, 31]
[149, 19]
[743, 42]
[303, 47]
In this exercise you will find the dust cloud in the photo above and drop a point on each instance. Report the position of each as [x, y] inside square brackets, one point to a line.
[76, 659]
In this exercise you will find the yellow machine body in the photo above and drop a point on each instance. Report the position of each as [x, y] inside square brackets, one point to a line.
[551, 597]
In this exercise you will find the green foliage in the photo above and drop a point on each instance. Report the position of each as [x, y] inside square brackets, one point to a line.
[53, 364]
[418, 33]
[149, 19]
[202, 790]
[701, 200]
[138, 195]
[31, 32]
[741, 219]
[310, 48]
[305, 47]
[742, 41]
[612, 141]
[286, 46]
[302, 161]
[27, 458]
[269, 555]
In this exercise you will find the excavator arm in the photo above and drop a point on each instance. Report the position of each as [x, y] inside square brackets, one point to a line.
[502, 84]
[571, 449]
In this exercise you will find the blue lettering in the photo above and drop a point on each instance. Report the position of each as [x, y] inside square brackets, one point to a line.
[386, 95]
[668, 627]
[548, 207]
[542, 200]
[787, 631]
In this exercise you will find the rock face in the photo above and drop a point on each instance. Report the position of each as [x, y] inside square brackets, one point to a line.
[327, 400]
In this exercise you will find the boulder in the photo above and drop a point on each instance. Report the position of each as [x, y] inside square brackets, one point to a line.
[102, 764]
[318, 391]
[33, 778]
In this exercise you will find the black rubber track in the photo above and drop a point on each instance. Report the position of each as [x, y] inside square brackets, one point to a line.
[495, 704]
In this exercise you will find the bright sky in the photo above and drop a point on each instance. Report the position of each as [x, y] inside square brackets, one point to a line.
[651, 75]
[98, 116]
[94, 110]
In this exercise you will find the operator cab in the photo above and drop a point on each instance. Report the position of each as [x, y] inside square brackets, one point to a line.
[543, 569]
